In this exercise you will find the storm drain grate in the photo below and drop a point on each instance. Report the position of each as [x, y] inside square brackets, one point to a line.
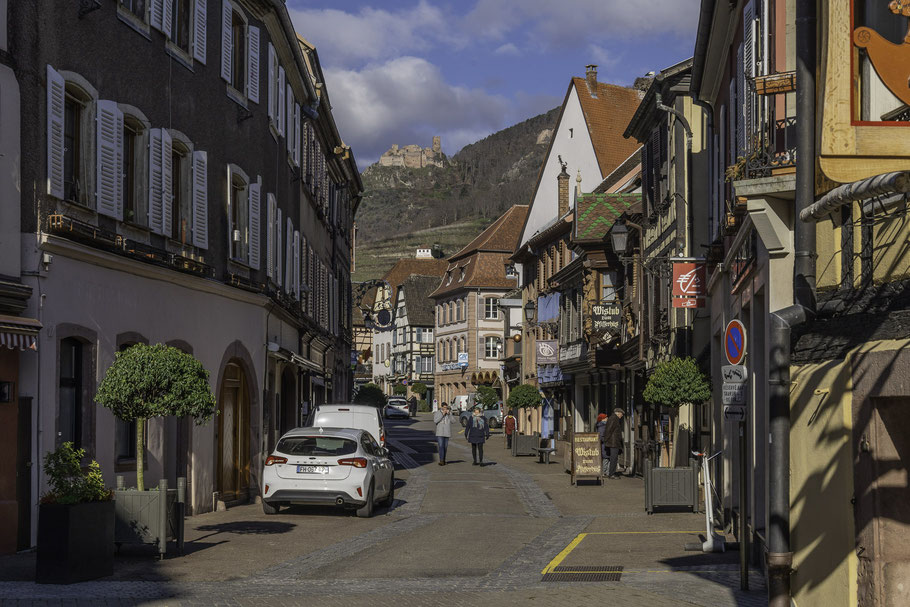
[584, 573]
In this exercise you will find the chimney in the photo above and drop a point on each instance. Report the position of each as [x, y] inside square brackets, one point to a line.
[563, 180]
[591, 76]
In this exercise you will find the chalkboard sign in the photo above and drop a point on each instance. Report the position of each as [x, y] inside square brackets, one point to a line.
[586, 461]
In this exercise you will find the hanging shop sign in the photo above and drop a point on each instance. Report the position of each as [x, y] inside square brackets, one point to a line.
[689, 284]
[463, 359]
[547, 352]
[605, 318]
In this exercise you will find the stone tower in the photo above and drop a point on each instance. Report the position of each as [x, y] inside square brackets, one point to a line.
[437, 143]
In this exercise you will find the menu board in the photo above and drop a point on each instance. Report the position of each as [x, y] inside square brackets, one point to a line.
[586, 460]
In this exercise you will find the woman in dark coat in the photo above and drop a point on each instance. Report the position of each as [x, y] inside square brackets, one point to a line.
[477, 432]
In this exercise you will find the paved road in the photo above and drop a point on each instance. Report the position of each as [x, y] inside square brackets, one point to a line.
[507, 533]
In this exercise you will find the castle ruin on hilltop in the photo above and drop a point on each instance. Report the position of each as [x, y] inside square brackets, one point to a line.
[413, 156]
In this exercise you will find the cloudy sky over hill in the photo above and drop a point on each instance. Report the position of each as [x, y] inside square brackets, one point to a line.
[401, 71]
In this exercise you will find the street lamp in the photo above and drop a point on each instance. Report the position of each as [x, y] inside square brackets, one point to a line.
[530, 308]
[619, 234]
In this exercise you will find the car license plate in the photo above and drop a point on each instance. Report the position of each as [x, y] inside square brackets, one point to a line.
[312, 470]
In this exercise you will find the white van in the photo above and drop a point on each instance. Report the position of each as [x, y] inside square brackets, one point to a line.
[462, 403]
[360, 417]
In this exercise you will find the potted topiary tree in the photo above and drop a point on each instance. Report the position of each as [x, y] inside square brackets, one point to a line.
[370, 394]
[674, 383]
[146, 382]
[75, 521]
[399, 390]
[524, 396]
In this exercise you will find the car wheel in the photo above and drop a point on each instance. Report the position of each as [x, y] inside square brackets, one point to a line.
[270, 508]
[388, 500]
[367, 510]
[494, 423]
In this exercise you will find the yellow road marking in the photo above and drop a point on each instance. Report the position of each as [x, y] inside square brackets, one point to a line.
[565, 552]
[642, 571]
[574, 544]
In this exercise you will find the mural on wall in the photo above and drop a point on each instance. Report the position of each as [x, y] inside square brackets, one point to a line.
[882, 32]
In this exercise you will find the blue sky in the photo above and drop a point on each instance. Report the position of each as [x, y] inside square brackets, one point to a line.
[401, 71]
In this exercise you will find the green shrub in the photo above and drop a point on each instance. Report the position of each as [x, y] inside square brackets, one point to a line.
[155, 381]
[423, 406]
[419, 389]
[370, 394]
[486, 397]
[676, 382]
[400, 390]
[70, 484]
[524, 396]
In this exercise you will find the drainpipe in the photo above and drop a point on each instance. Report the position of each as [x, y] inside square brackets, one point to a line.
[780, 556]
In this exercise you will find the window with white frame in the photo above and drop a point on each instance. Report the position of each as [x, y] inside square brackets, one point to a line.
[239, 52]
[491, 308]
[137, 7]
[424, 335]
[459, 307]
[608, 286]
[181, 184]
[492, 346]
[238, 211]
[423, 364]
[133, 154]
[71, 109]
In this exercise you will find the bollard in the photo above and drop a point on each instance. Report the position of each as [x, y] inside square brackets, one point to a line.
[162, 518]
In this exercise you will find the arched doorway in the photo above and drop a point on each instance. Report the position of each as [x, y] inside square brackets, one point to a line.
[288, 403]
[233, 435]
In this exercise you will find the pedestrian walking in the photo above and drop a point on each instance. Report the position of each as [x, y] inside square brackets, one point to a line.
[600, 426]
[412, 405]
[477, 432]
[443, 431]
[509, 424]
[613, 440]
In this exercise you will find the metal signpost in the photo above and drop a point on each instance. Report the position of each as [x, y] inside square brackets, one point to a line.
[735, 376]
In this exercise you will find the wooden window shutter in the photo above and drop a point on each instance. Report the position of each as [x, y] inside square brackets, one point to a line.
[289, 256]
[288, 123]
[167, 182]
[280, 108]
[167, 17]
[278, 250]
[297, 265]
[156, 14]
[156, 182]
[109, 160]
[199, 37]
[252, 73]
[227, 40]
[56, 103]
[270, 237]
[731, 133]
[297, 134]
[273, 75]
[254, 205]
[740, 102]
[200, 201]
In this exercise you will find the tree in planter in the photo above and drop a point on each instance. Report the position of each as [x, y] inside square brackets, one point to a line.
[676, 382]
[486, 396]
[420, 390]
[370, 394]
[400, 390]
[523, 397]
[155, 381]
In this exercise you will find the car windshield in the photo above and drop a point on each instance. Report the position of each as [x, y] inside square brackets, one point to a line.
[316, 445]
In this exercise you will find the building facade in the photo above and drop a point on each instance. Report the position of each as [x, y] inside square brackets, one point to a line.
[213, 214]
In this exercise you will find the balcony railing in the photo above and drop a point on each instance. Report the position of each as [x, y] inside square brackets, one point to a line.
[770, 138]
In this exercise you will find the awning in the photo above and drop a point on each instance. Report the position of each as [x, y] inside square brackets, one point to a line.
[894, 185]
[19, 333]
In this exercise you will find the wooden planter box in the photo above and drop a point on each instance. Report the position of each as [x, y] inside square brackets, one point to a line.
[671, 486]
[75, 542]
[151, 516]
[524, 444]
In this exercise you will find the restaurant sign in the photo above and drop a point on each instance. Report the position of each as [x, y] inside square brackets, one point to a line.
[586, 460]
[605, 318]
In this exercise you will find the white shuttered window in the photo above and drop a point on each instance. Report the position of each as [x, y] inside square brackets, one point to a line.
[296, 265]
[227, 41]
[109, 160]
[273, 90]
[297, 134]
[160, 181]
[289, 257]
[288, 124]
[199, 15]
[278, 249]
[200, 201]
[252, 74]
[56, 102]
[281, 108]
[255, 244]
[270, 238]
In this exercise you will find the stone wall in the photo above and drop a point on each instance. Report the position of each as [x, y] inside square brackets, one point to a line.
[413, 156]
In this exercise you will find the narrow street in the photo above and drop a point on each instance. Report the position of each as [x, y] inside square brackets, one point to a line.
[457, 534]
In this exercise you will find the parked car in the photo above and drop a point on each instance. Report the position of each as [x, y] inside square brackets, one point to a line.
[344, 467]
[390, 411]
[362, 417]
[399, 402]
[493, 414]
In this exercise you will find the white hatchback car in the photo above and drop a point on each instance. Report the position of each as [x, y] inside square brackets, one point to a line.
[328, 466]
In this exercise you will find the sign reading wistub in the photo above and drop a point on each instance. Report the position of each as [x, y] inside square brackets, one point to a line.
[586, 461]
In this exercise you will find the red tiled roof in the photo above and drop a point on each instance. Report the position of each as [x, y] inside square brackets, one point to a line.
[502, 235]
[608, 110]
[408, 266]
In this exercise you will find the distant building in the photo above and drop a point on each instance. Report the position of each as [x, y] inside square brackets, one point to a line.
[424, 252]
[413, 156]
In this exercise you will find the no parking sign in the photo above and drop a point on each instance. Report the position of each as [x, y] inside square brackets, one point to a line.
[735, 342]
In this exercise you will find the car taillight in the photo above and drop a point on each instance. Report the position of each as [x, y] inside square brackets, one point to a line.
[357, 462]
[382, 438]
[274, 459]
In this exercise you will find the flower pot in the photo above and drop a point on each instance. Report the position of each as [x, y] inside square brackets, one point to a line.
[150, 517]
[75, 542]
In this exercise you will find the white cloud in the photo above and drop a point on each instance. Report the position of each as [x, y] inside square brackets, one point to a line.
[602, 57]
[405, 101]
[507, 49]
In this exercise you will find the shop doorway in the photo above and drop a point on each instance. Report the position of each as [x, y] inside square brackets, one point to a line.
[233, 435]
[288, 403]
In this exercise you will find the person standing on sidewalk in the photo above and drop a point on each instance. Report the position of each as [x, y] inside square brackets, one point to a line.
[477, 432]
[443, 431]
[613, 440]
[600, 426]
[508, 425]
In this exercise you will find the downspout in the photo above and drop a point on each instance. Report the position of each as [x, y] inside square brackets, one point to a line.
[780, 556]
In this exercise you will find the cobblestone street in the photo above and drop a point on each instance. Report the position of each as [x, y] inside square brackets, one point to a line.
[456, 535]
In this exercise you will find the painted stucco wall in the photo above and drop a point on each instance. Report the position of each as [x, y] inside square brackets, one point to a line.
[577, 151]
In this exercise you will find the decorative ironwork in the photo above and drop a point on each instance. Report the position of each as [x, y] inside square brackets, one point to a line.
[145, 252]
[770, 137]
[241, 282]
[192, 266]
[82, 232]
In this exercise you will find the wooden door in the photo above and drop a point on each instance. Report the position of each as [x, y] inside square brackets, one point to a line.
[233, 436]
[882, 513]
